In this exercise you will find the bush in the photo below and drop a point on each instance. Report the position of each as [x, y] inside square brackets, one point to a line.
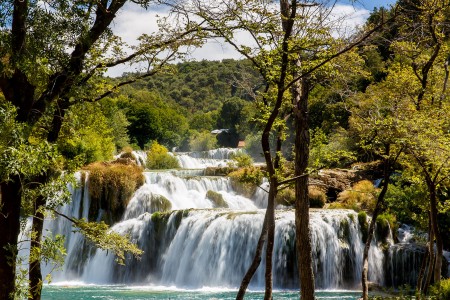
[286, 197]
[242, 160]
[360, 197]
[111, 186]
[246, 180]
[441, 290]
[158, 158]
[317, 197]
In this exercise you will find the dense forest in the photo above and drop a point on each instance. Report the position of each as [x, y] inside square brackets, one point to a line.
[376, 101]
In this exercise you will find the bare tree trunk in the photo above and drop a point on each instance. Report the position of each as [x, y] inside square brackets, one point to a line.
[10, 198]
[303, 239]
[270, 213]
[426, 260]
[256, 261]
[431, 262]
[437, 234]
[376, 213]
[35, 274]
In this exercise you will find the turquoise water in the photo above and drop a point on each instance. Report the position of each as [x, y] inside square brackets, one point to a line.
[145, 293]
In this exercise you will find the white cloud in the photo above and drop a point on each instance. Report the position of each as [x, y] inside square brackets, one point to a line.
[134, 21]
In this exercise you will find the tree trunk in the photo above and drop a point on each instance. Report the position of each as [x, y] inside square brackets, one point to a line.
[303, 239]
[10, 198]
[35, 274]
[437, 234]
[431, 262]
[256, 261]
[270, 213]
[377, 211]
[426, 260]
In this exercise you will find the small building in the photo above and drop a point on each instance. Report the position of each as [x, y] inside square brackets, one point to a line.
[241, 144]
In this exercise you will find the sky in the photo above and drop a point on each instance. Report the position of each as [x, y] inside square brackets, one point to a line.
[134, 21]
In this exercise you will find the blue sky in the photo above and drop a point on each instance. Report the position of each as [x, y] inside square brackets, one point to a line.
[134, 21]
[369, 5]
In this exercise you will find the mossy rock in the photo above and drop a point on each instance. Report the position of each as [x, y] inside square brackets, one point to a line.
[362, 219]
[159, 203]
[216, 199]
[344, 230]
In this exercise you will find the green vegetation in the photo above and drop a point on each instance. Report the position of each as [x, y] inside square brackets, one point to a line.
[441, 290]
[362, 220]
[317, 197]
[111, 186]
[245, 181]
[158, 157]
[286, 197]
[360, 197]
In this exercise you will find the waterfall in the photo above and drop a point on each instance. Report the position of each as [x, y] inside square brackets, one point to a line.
[188, 243]
[203, 159]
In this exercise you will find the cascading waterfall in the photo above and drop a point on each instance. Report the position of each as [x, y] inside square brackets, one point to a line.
[195, 245]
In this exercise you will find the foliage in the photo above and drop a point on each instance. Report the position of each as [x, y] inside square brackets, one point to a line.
[441, 290]
[216, 198]
[117, 122]
[152, 119]
[363, 224]
[202, 86]
[286, 197]
[241, 160]
[246, 180]
[317, 197]
[360, 197]
[105, 239]
[111, 186]
[158, 157]
[86, 135]
[385, 224]
[202, 141]
[329, 152]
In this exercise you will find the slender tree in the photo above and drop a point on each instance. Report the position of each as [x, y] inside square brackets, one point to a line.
[48, 62]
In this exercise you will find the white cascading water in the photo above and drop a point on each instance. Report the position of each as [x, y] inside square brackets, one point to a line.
[196, 246]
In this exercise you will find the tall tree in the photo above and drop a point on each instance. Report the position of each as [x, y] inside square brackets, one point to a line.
[286, 44]
[50, 56]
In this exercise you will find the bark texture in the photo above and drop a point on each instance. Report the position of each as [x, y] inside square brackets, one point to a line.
[303, 239]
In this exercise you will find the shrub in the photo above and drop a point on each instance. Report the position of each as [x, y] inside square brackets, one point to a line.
[111, 186]
[441, 290]
[216, 199]
[158, 157]
[242, 160]
[360, 197]
[246, 180]
[317, 197]
[286, 197]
